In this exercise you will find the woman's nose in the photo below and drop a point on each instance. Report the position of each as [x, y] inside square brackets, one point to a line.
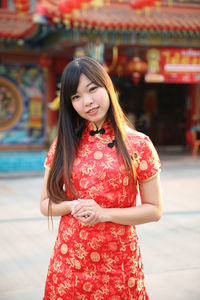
[87, 99]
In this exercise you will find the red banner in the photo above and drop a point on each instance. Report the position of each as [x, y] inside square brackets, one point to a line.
[173, 65]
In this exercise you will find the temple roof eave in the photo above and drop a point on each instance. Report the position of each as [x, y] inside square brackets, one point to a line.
[116, 18]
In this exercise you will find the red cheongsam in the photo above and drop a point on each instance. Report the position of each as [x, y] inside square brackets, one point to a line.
[101, 261]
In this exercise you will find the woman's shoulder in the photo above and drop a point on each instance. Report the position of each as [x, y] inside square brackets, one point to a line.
[136, 137]
[138, 141]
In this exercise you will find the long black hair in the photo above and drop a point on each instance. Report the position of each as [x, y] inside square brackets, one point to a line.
[71, 125]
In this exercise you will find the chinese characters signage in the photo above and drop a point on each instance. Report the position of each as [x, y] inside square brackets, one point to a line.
[173, 65]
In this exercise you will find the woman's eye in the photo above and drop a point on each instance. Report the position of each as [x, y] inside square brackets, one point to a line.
[74, 97]
[93, 88]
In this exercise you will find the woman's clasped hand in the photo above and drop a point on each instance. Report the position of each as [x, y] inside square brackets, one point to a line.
[88, 211]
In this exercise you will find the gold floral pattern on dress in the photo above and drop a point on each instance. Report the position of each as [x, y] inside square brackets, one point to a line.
[112, 246]
[105, 278]
[101, 226]
[131, 282]
[55, 278]
[83, 234]
[77, 264]
[99, 144]
[95, 256]
[98, 155]
[96, 242]
[143, 165]
[84, 183]
[87, 286]
[64, 249]
[125, 181]
[101, 262]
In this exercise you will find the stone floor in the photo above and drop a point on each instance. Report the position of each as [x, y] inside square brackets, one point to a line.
[170, 248]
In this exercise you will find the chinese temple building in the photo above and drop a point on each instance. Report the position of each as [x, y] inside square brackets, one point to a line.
[151, 50]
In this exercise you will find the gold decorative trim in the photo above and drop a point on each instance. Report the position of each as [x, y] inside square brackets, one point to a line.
[148, 179]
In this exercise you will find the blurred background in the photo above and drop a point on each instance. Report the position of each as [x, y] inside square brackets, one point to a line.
[151, 50]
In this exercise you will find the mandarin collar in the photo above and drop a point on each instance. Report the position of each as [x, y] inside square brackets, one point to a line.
[107, 126]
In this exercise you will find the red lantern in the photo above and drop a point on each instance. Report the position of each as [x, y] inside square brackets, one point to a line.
[149, 2]
[75, 4]
[64, 7]
[137, 65]
[22, 7]
[137, 4]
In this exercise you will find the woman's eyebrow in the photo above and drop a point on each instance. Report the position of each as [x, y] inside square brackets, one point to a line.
[87, 85]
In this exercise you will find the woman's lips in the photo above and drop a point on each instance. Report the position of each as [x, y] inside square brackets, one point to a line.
[92, 111]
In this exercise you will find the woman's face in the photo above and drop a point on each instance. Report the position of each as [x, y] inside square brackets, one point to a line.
[90, 101]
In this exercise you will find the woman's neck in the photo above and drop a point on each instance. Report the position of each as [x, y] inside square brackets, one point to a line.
[99, 125]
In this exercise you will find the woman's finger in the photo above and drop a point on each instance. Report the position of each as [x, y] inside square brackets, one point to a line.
[92, 220]
[84, 213]
[75, 209]
[80, 211]
[91, 216]
[84, 204]
[83, 207]
[78, 208]
[83, 217]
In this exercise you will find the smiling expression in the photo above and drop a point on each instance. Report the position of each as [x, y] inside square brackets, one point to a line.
[91, 102]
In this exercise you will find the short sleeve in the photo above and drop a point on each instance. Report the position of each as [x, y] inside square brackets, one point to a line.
[50, 155]
[149, 163]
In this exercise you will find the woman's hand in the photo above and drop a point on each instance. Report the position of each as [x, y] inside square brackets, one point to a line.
[72, 204]
[88, 212]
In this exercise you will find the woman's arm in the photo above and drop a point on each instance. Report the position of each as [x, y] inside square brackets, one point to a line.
[60, 209]
[149, 211]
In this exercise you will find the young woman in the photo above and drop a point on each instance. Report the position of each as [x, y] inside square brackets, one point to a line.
[94, 169]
